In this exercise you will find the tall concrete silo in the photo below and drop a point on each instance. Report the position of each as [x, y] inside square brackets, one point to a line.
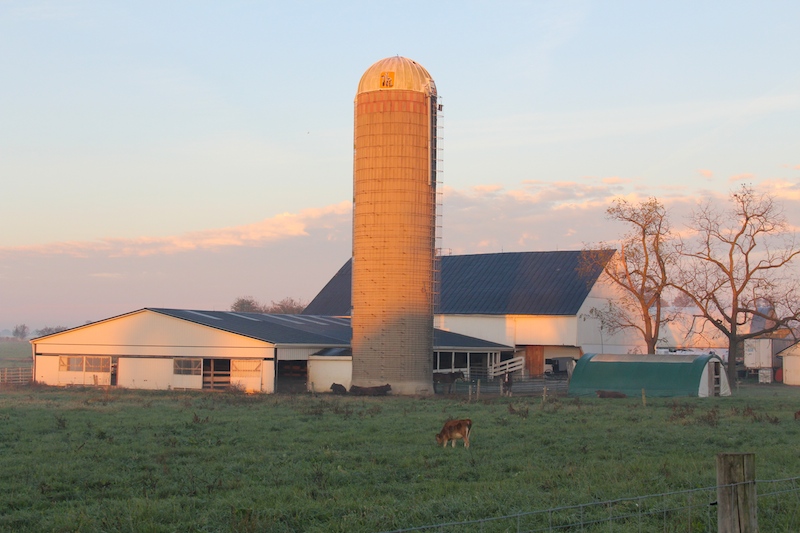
[394, 227]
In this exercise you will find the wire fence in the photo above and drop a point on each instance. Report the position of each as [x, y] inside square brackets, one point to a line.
[693, 511]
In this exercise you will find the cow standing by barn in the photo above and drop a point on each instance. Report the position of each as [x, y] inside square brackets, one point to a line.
[447, 378]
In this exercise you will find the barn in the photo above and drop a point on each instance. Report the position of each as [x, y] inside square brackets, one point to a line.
[699, 375]
[155, 348]
[538, 302]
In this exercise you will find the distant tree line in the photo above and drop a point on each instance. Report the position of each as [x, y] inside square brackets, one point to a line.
[287, 306]
[22, 331]
[730, 265]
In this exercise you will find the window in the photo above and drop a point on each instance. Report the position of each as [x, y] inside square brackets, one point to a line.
[98, 364]
[70, 364]
[187, 367]
[246, 368]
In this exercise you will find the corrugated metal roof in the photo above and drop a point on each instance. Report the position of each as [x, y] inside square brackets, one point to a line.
[512, 283]
[275, 329]
[313, 330]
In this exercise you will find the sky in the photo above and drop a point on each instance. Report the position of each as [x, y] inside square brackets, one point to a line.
[183, 154]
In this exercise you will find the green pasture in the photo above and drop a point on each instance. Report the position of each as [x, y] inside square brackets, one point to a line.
[15, 353]
[115, 460]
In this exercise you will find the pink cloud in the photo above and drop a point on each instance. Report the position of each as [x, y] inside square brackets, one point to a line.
[706, 173]
[296, 254]
[615, 180]
[283, 226]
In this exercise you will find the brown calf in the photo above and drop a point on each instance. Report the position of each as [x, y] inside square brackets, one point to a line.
[454, 430]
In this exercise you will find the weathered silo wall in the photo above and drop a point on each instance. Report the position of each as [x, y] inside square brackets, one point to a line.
[394, 217]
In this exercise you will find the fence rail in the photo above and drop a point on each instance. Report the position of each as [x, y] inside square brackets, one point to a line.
[689, 510]
[508, 366]
[16, 376]
[522, 386]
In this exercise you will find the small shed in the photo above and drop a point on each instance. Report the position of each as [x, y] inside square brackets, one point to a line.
[659, 375]
[791, 364]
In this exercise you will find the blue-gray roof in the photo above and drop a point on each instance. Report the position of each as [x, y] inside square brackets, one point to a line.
[275, 329]
[512, 283]
[309, 330]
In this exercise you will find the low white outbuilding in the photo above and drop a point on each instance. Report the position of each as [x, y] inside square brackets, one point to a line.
[213, 350]
[791, 364]
[155, 349]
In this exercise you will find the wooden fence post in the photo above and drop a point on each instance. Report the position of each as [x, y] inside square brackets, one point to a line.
[737, 509]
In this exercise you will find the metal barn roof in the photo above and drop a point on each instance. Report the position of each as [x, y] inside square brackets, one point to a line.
[312, 330]
[275, 329]
[513, 283]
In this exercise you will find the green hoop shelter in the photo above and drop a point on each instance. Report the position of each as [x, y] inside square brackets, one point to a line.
[659, 375]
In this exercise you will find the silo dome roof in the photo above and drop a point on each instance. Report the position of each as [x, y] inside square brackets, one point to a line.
[396, 73]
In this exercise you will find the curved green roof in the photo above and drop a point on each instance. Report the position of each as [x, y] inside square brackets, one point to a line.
[659, 375]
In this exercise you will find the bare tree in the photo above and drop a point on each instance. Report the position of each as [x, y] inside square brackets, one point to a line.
[287, 306]
[737, 268]
[20, 332]
[49, 330]
[640, 268]
[247, 304]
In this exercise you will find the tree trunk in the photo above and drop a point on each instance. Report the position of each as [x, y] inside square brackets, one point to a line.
[733, 351]
[651, 345]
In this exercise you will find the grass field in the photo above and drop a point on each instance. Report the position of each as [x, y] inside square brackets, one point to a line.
[15, 353]
[96, 460]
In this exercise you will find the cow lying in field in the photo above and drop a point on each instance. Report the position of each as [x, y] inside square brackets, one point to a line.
[447, 378]
[454, 430]
[610, 394]
[380, 390]
[338, 389]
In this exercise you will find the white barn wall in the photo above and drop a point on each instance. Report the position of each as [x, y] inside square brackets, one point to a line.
[324, 370]
[247, 374]
[590, 335]
[146, 373]
[297, 354]
[268, 376]
[47, 370]
[545, 330]
[580, 331]
[182, 381]
[488, 327]
[146, 333]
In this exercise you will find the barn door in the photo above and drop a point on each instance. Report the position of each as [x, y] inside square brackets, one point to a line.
[715, 386]
[216, 374]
